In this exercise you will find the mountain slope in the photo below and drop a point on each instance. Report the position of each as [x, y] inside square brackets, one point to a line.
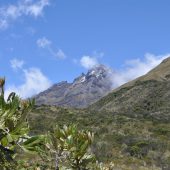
[85, 89]
[146, 95]
[131, 124]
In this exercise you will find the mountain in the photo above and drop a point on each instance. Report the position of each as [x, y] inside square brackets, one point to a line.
[83, 91]
[147, 95]
[131, 124]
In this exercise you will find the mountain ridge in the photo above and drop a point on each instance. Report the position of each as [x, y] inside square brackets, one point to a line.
[83, 91]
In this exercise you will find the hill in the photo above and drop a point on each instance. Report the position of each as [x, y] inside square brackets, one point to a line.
[146, 96]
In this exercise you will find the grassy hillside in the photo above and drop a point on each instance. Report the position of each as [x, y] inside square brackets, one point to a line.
[143, 99]
[119, 138]
[131, 124]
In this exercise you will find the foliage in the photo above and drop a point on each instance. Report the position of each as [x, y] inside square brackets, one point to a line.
[70, 147]
[66, 147]
[13, 127]
[116, 135]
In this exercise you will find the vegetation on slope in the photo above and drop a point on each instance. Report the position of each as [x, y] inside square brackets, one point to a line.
[125, 140]
[145, 98]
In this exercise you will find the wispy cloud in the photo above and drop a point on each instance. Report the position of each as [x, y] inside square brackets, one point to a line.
[45, 43]
[34, 81]
[130, 70]
[135, 68]
[21, 8]
[58, 53]
[16, 63]
[88, 62]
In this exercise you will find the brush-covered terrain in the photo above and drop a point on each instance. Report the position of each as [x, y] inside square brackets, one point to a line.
[131, 124]
[130, 142]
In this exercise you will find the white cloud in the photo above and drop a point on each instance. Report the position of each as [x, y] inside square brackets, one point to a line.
[43, 42]
[88, 62]
[47, 44]
[135, 68]
[16, 64]
[34, 82]
[36, 9]
[12, 12]
[58, 54]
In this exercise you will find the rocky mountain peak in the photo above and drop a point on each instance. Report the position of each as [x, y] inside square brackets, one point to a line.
[80, 79]
[85, 89]
[97, 72]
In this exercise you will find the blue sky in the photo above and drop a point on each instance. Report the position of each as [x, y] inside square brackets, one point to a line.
[46, 41]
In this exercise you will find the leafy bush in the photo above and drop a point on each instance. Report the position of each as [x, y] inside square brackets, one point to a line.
[70, 147]
[14, 128]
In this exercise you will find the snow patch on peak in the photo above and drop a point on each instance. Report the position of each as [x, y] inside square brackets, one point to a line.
[80, 79]
[83, 79]
[92, 72]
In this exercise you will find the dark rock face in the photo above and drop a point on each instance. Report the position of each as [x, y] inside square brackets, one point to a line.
[85, 89]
